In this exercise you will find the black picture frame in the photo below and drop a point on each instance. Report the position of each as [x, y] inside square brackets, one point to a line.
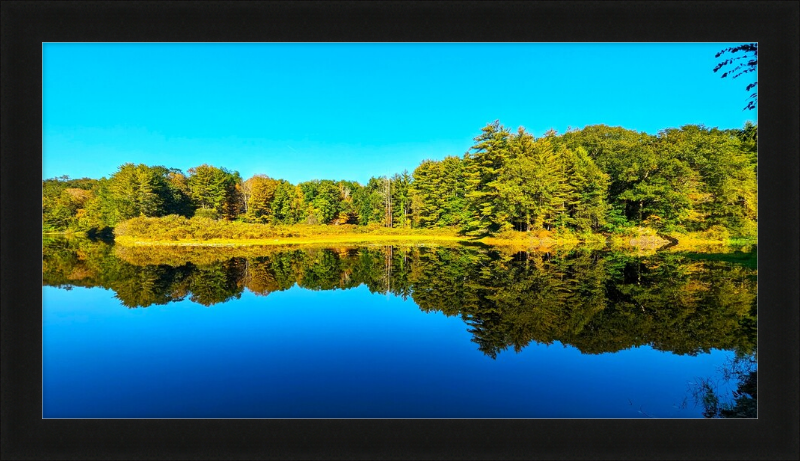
[774, 435]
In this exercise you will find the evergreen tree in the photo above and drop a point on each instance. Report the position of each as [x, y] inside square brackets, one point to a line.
[288, 205]
[588, 207]
[532, 189]
[748, 135]
[437, 193]
[217, 189]
[481, 171]
[425, 191]
[141, 190]
[453, 191]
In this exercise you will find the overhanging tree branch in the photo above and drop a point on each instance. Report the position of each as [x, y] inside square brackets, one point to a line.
[744, 64]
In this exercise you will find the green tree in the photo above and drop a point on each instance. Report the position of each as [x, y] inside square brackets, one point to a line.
[658, 186]
[288, 206]
[481, 171]
[437, 193]
[725, 192]
[137, 190]
[588, 207]
[453, 191]
[178, 200]
[748, 136]
[370, 202]
[326, 203]
[401, 199]
[426, 193]
[321, 200]
[216, 189]
[100, 210]
[64, 203]
[532, 188]
[648, 184]
[348, 212]
[608, 147]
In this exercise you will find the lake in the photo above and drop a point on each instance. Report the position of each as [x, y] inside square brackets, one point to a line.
[390, 332]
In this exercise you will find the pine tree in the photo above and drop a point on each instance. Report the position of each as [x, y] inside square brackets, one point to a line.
[482, 168]
[587, 207]
[138, 190]
[215, 188]
[533, 191]
[425, 192]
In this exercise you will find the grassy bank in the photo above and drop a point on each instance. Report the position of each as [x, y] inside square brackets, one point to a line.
[523, 241]
[67, 233]
[180, 231]
[300, 240]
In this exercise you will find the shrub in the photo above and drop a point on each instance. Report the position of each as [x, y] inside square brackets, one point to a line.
[200, 227]
[716, 232]
[209, 213]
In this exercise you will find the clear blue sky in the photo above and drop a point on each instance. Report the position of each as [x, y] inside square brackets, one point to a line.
[350, 111]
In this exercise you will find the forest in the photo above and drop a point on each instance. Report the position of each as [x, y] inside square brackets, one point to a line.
[598, 179]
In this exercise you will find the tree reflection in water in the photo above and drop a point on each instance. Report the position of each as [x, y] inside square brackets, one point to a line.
[595, 301]
[739, 403]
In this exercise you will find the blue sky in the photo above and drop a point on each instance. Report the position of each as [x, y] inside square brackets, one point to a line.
[302, 111]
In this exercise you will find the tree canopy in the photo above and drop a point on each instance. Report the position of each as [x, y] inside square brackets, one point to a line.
[596, 179]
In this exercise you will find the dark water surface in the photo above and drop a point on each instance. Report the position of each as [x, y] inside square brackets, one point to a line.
[388, 332]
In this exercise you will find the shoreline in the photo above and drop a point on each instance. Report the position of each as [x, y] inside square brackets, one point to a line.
[521, 241]
[315, 240]
[529, 242]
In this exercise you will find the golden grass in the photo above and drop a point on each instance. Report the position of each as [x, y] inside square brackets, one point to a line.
[522, 242]
[641, 239]
[703, 245]
[306, 240]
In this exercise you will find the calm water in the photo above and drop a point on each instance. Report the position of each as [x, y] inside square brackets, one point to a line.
[387, 332]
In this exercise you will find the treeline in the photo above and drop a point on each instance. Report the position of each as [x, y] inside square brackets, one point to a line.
[597, 302]
[598, 179]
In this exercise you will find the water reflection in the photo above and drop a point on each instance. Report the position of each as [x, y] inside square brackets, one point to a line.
[595, 301]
